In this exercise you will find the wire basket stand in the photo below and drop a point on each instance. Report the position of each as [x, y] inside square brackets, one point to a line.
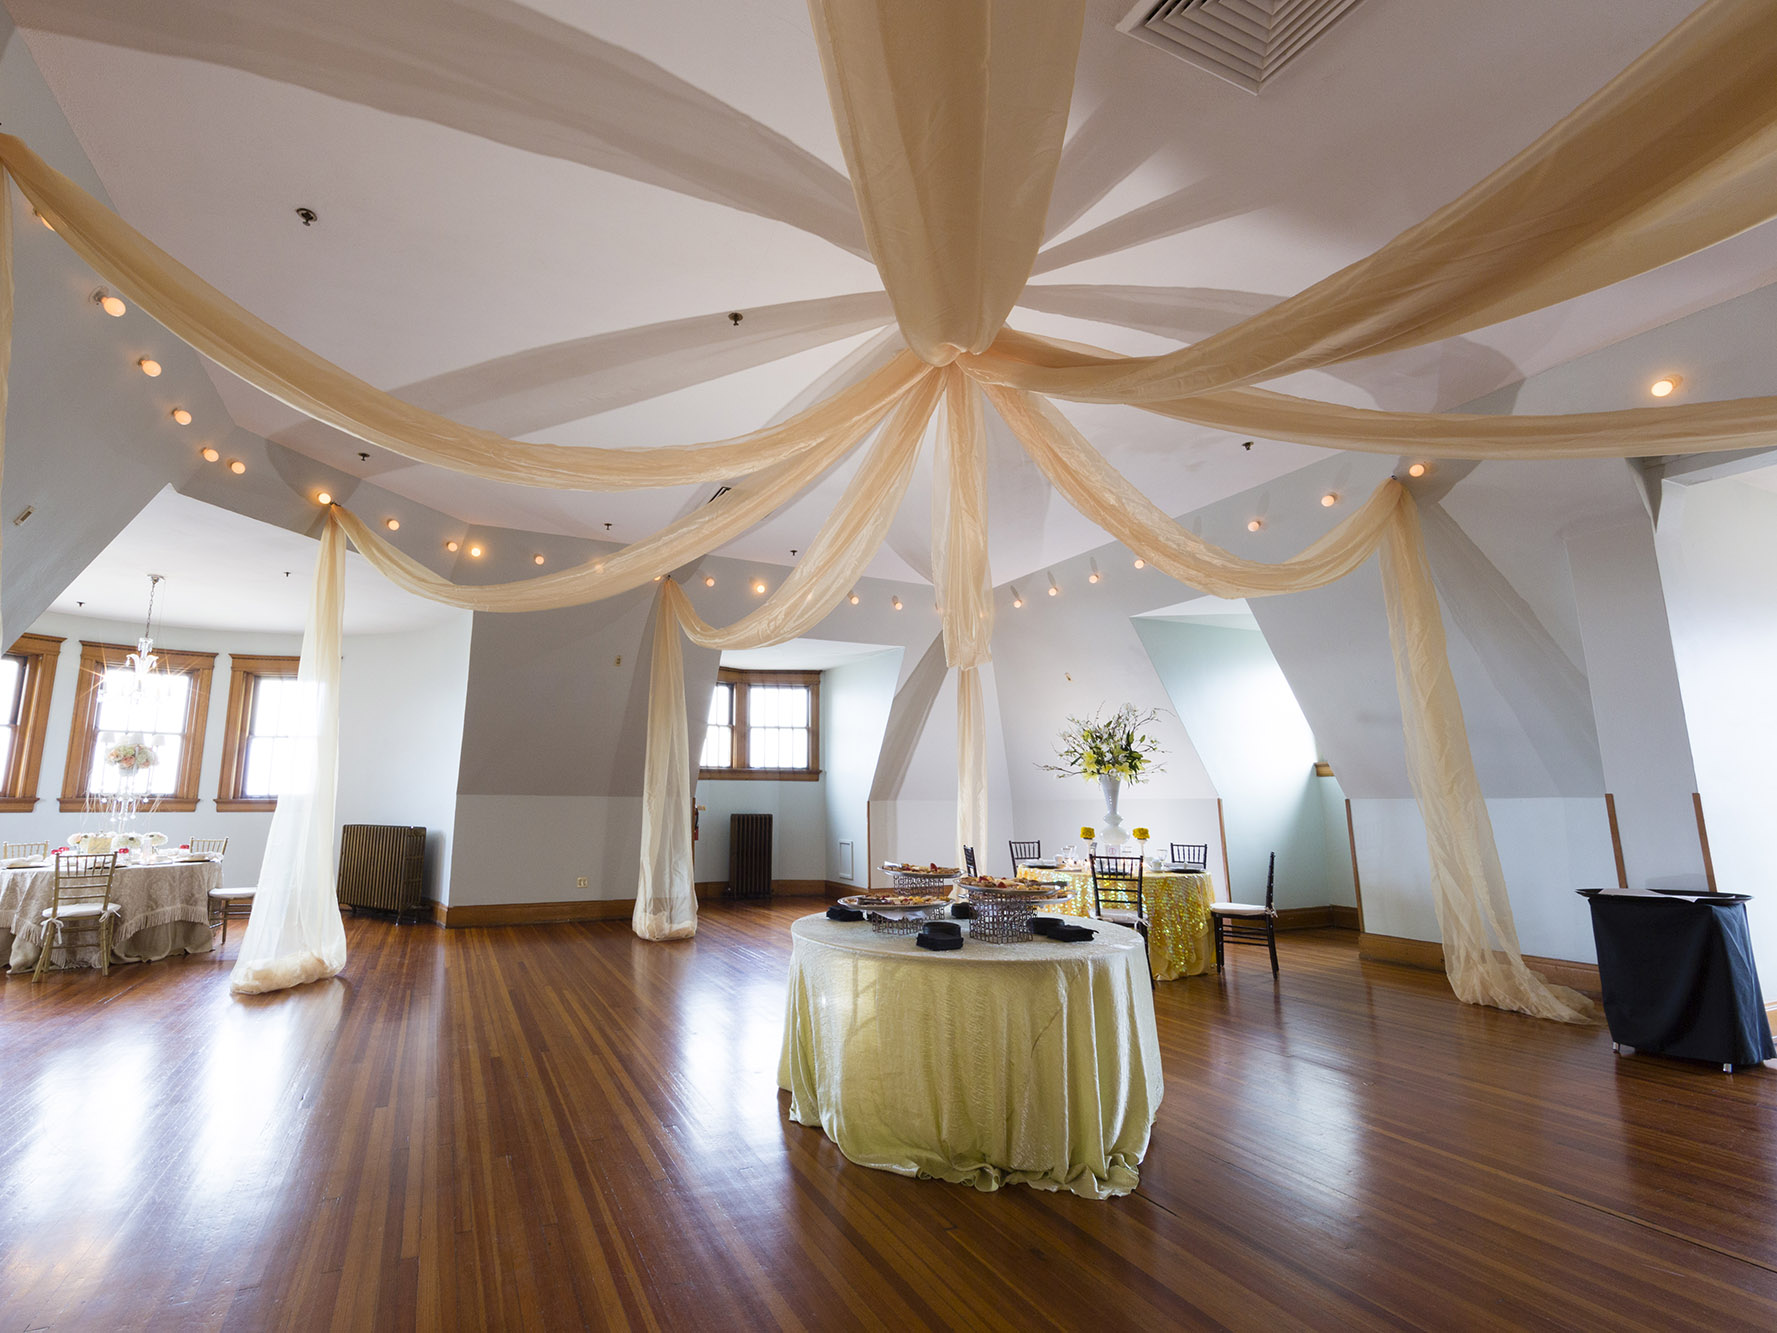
[1003, 916]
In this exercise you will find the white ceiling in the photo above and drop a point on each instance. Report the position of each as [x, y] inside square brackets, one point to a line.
[496, 179]
[226, 571]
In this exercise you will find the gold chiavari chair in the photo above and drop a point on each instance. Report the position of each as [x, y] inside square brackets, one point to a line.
[80, 900]
[12, 851]
[209, 847]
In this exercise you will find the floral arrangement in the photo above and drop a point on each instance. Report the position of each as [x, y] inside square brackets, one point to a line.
[1088, 832]
[90, 844]
[1140, 834]
[1115, 746]
[131, 757]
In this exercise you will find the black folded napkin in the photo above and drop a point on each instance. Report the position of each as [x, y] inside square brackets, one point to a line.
[941, 943]
[1067, 933]
[946, 928]
[837, 913]
[962, 911]
[1044, 925]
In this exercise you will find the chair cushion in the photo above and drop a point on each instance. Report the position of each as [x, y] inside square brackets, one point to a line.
[1120, 916]
[1240, 909]
[233, 895]
[72, 911]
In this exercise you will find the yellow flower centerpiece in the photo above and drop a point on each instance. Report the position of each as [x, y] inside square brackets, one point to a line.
[1109, 751]
[1088, 832]
[1141, 834]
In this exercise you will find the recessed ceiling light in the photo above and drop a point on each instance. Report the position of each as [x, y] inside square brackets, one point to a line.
[1016, 599]
[451, 547]
[854, 599]
[1663, 386]
[181, 416]
[1328, 500]
[1054, 588]
[322, 498]
[111, 305]
[392, 524]
[210, 454]
[236, 466]
[1418, 470]
[759, 587]
[709, 581]
[1255, 524]
[150, 367]
[1140, 563]
[475, 550]
[895, 602]
[45, 221]
[537, 559]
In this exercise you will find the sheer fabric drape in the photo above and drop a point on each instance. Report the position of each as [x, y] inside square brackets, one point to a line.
[5, 320]
[294, 934]
[666, 901]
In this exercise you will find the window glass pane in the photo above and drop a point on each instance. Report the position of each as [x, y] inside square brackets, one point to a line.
[718, 747]
[106, 778]
[156, 703]
[11, 670]
[6, 736]
[722, 706]
[277, 732]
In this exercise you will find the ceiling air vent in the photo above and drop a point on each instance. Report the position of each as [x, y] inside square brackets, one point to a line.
[1243, 41]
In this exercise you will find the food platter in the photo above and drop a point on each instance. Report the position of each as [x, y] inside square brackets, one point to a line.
[897, 913]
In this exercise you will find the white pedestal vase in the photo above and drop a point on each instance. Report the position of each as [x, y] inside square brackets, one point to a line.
[1113, 839]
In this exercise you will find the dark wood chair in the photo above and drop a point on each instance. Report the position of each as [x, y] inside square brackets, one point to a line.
[1117, 897]
[969, 860]
[1192, 854]
[1025, 851]
[1248, 923]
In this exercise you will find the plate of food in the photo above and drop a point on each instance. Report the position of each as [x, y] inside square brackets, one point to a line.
[1023, 887]
[930, 870]
[875, 902]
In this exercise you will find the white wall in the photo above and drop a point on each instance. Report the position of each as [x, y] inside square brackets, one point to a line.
[400, 734]
[855, 701]
[1717, 547]
[1546, 847]
[1258, 748]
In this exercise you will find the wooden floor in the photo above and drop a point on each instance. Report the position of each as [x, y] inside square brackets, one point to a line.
[562, 1127]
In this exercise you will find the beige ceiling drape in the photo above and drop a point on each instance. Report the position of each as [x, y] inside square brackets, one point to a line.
[247, 346]
[666, 902]
[1677, 152]
[951, 115]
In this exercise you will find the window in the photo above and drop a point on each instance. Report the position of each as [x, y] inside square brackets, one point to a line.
[27, 675]
[764, 724]
[168, 713]
[266, 713]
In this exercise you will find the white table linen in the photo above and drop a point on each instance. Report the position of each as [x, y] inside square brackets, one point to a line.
[166, 910]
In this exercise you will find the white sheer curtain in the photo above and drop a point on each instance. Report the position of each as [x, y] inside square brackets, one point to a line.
[5, 321]
[294, 934]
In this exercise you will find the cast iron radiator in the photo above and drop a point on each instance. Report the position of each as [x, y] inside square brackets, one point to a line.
[749, 856]
[382, 866]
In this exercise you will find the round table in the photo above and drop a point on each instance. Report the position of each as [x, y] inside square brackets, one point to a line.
[991, 1065]
[1180, 937]
[166, 910]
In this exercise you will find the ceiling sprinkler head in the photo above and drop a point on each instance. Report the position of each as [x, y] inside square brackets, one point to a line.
[308, 216]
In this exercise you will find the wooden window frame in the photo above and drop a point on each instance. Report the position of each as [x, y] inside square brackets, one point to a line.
[95, 658]
[742, 679]
[18, 783]
[246, 671]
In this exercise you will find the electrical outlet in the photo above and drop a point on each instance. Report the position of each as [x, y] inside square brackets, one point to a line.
[582, 883]
[619, 662]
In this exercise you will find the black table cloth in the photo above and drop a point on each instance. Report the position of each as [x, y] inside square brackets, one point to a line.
[1679, 979]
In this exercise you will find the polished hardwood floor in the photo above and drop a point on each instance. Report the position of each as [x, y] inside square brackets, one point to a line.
[563, 1127]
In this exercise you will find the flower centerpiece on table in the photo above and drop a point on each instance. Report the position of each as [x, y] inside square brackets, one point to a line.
[1109, 751]
[131, 757]
[90, 844]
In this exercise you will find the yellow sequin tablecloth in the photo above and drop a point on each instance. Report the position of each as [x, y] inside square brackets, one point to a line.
[1179, 940]
[994, 1065]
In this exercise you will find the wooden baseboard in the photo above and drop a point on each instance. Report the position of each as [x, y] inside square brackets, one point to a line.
[1316, 918]
[604, 909]
[534, 914]
[1429, 955]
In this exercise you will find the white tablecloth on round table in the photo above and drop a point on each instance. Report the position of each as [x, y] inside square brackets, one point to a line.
[995, 1064]
[166, 910]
